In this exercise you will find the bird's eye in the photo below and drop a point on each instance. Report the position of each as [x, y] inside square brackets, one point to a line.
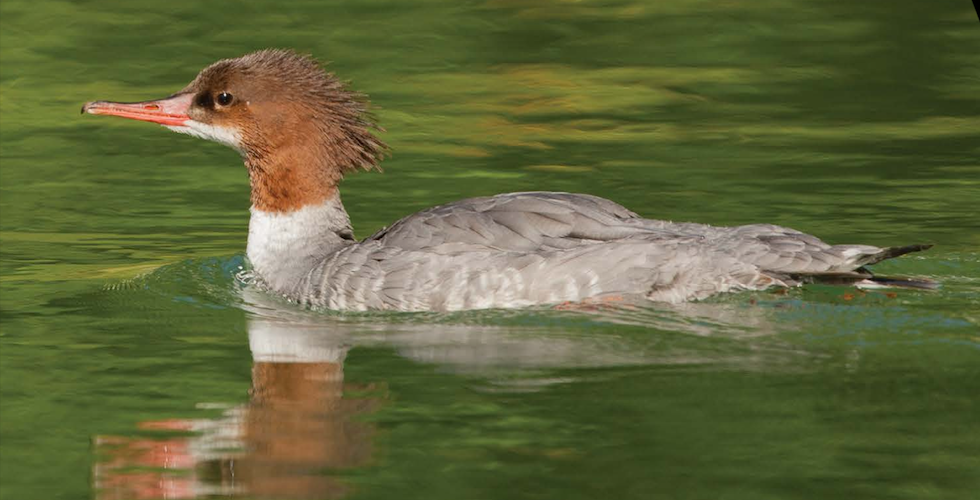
[224, 98]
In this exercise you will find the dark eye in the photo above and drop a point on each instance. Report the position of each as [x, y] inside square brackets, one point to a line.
[224, 98]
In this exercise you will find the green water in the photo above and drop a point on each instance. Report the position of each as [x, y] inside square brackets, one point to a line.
[133, 363]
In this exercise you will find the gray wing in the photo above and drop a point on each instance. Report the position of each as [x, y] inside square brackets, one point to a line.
[513, 222]
[544, 221]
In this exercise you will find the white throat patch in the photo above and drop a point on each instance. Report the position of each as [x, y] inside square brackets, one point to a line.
[226, 136]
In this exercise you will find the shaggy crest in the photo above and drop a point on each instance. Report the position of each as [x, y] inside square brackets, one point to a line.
[299, 84]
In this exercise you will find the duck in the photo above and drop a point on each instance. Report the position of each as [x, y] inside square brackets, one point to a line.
[299, 130]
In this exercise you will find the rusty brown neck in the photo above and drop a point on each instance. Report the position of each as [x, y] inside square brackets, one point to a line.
[290, 178]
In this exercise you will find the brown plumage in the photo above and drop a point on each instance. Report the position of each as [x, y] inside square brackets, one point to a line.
[302, 129]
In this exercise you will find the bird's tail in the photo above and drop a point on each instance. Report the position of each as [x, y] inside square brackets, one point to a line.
[891, 253]
[865, 280]
[862, 277]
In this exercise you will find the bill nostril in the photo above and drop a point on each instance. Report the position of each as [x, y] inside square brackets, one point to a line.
[151, 107]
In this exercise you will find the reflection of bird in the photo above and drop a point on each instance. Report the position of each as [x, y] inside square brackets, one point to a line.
[296, 425]
[300, 130]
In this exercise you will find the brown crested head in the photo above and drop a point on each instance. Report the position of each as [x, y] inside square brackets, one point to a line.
[298, 127]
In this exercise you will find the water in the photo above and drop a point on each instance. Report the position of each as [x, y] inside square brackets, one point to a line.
[133, 364]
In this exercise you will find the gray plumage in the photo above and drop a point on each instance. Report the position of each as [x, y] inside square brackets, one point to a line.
[522, 249]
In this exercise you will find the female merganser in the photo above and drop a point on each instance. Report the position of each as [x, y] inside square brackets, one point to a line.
[299, 130]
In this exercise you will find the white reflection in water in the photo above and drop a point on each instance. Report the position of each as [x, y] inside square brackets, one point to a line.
[297, 426]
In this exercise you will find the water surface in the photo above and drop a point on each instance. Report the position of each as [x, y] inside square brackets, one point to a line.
[133, 363]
